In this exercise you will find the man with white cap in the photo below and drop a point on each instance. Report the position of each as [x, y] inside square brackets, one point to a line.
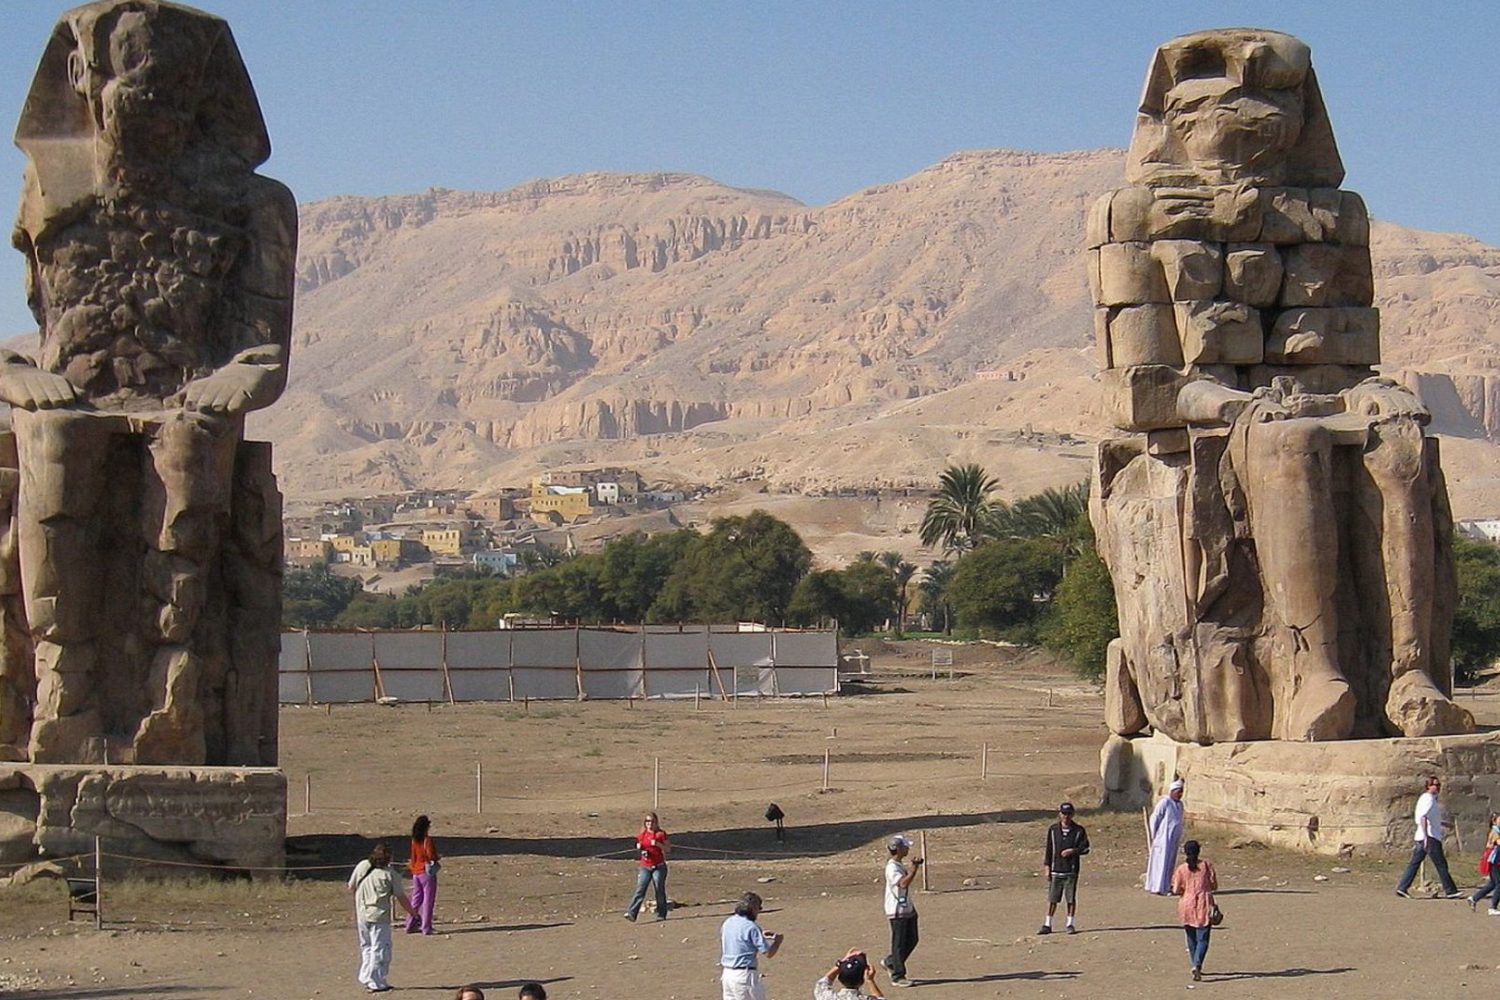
[1164, 830]
[899, 908]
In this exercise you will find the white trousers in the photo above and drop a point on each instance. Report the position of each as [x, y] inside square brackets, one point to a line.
[742, 984]
[374, 953]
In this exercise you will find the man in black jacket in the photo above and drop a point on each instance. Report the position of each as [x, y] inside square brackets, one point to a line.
[1066, 843]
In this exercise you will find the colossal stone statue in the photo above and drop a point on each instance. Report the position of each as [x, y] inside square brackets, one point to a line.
[1274, 518]
[140, 546]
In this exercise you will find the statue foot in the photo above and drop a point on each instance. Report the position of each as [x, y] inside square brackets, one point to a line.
[1321, 710]
[1418, 708]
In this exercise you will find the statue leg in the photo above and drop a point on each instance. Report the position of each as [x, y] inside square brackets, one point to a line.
[191, 467]
[62, 457]
[1398, 497]
[1287, 475]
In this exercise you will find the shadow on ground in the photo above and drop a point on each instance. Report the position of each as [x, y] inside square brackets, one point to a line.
[817, 840]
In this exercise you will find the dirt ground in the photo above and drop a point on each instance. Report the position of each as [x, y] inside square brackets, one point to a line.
[533, 886]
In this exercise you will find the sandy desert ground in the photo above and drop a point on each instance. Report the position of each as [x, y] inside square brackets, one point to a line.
[533, 886]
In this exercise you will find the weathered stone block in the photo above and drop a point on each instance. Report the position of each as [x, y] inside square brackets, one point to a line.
[1129, 275]
[1122, 705]
[1252, 274]
[1168, 442]
[1219, 332]
[1143, 335]
[1327, 274]
[1129, 212]
[1096, 226]
[1343, 797]
[220, 817]
[1288, 217]
[1142, 397]
[1354, 221]
[1193, 269]
[1309, 336]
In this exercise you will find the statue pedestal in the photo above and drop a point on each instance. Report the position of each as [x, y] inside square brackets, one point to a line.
[224, 817]
[1336, 797]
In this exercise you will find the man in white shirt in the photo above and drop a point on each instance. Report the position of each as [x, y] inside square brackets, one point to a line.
[1428, 841]
[374, 886]
[899, 908]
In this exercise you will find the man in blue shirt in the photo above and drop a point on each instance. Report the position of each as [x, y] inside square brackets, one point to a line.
[743, 942]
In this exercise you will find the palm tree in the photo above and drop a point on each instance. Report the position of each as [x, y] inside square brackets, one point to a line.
[1057, 515]
[934, 590]
[903, 572]
[959, 515]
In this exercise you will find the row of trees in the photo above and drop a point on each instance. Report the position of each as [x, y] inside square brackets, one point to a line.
[1023, 571]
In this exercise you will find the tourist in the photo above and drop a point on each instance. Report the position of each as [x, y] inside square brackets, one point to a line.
[1067, 842]
[854, 975]
[1488, 866]
[653, 847]
[1428, 841]
[374, 885]
[742, 942]
[532, 991]
[424, 865]
[1164, 831]
[1195, 881]
[899, 908]
[470, 992]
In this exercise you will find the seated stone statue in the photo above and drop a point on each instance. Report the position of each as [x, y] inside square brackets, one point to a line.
[147, 537]
[1277, 524]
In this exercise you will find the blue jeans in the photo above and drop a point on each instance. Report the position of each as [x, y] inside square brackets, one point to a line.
[1197, 944]
[1432, 849]
[658, 875]
[1490, 888]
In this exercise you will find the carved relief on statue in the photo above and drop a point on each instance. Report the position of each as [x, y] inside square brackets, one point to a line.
[1275, 519]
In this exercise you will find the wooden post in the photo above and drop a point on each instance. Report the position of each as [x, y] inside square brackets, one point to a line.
[478, 788]
[926, 863]
[1049, 697]
[697, 691]
[984, 761]
[826, 755]
[307, 794]
[375, 666]
[825, 700]
[655, 782]
[578, 661]
[98, 884]
[447, 679]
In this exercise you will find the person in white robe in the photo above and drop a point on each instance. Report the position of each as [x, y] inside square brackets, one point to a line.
[1164, 830]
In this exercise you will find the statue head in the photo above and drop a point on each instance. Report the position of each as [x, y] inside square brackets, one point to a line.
[1233, 106]
[127, 93]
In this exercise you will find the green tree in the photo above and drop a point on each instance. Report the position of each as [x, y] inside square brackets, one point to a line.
[1001, 588]
[1058, 515]
[869, 594]
[313, 598]
[934, 593]
[1476, 620]
[817, 599]
[635, 570]
[958, 517]
[743, 568]
[1082, 620]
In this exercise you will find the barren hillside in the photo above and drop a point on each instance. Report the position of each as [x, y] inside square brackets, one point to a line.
[706, 333]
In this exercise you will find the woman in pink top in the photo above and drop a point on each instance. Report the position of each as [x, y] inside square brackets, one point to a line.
[1195, 881]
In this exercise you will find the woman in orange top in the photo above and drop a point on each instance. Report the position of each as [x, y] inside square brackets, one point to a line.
[1195, 881]
[424, 868]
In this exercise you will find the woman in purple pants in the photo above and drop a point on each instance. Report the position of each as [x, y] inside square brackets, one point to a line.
[424, 871]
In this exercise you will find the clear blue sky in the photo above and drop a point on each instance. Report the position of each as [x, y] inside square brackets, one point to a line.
[816, 99]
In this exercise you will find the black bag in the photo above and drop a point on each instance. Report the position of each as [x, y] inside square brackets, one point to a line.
[1215, 915]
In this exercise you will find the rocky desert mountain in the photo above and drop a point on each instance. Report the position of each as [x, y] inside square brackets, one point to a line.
[709, 334]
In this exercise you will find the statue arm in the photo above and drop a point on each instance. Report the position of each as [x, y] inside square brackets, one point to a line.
[255, 377]
[1208, 402]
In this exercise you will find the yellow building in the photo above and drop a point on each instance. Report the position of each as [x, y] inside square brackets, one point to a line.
[445, 541]
[559, 503]
[343, 543]
[388, 551]
[306, 552]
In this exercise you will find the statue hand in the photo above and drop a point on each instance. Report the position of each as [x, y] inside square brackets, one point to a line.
[27, 387]
[235, 388]
[1383, 398]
